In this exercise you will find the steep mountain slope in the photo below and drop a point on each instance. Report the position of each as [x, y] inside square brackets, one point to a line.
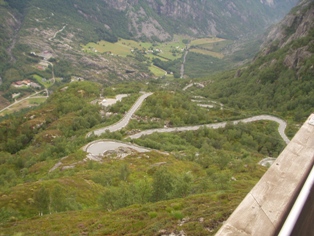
[156, 19]
[61, 27]
[280, 79]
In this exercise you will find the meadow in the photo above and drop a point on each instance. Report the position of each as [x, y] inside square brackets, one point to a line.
[42, 81]
[165, 51]
[210, 46]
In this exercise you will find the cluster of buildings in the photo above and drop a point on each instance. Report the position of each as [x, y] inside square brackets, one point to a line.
[26, 83]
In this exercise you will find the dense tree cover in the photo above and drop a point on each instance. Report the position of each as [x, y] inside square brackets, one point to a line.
[54, 130]
[164, 185]
[222, 153]
[20, 5]
[261, 138]
[71, 106]
[202, 162]
[169, 66]
[199, 65]
[63, 68]
[177, 109]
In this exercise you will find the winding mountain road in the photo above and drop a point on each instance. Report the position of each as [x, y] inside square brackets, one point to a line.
[124, 121]
[98, 147]
[281, 128]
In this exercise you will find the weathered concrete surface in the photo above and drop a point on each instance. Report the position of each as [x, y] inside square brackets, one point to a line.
[264, 209]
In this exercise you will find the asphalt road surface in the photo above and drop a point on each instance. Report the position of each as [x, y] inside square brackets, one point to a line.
[98, 148]
[281, 128]
[125, 120]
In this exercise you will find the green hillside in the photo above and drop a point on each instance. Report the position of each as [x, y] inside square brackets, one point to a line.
[44, 172]
[280, 79]
[185, 182]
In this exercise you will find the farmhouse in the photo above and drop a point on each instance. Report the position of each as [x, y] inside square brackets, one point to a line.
[21, 83]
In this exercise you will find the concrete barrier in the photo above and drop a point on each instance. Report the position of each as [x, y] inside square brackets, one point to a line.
[267, 205]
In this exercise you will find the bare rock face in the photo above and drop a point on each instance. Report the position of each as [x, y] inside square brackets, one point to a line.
[149, 28]
[297, 58]
[294, 26]
[290, 36]
[121, 5]
[268, 2]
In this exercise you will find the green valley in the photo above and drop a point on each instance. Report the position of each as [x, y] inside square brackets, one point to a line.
[145, 117]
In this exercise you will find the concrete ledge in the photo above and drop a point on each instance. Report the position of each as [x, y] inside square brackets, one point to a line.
[265, 208]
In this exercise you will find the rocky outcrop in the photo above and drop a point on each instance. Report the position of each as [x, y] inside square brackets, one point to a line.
[291, 36]
[297, 58]
[294, 26]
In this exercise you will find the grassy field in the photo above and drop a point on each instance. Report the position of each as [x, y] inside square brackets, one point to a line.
[40, 80]
[165, 51]
[157, 71]
[209, 46]
[207, 52]
[37, 100]
[169, 50]
[206, 41]
[30, 102]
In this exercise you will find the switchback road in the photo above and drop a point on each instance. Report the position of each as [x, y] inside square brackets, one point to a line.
[97, 147]
[281, 128]
[124, 121]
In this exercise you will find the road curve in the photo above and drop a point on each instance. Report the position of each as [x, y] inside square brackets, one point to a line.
[59, 31]
[281, 128]
[100, 147]
[124, 121]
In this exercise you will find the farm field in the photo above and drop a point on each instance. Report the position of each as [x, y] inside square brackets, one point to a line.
[158, 71]
[23, 104]
[165, 51]
[203, 41]
[209, 46]
[207, 52]
[168, 50]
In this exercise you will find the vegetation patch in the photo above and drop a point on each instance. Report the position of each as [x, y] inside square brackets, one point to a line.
[168, 50]
[157, 71]
[43, 81]
[207, 52]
